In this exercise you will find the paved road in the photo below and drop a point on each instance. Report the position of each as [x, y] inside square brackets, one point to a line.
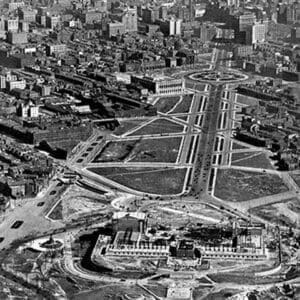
[33, 217]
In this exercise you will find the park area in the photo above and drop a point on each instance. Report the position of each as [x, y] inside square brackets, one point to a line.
[158, 126]
[147, 180]
[237, 185]
[128, 125]
[237, 146]
[251, 159]
[165, 149]
[184, 105]
[165, 104]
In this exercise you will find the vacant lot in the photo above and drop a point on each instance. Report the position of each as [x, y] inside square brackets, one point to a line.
[165, 104]
[149, 180]
[159, 126]
[285, 214]
[236, 185]
[253, 160]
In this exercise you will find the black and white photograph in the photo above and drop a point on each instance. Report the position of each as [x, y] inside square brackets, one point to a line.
[149, 149]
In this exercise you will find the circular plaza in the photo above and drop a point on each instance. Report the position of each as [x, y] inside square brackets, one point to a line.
[213, 76]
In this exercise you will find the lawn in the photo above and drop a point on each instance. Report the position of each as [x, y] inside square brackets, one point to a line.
[184, 105]
[240, 155]
[165, 104]
[184, 118]
[158, 289]
[109, 171]
[296, 178]
[156, 150]
[57, 212]
[155, 181]
[159, 126]
[116, 151]
[111, 292]
[141, 150]
[247, 100]
[200, 87]
[237, 185]
[255, 160]
[126, 126]
[236, 146]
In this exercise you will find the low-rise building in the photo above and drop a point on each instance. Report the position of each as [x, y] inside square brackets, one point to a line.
[160, 85]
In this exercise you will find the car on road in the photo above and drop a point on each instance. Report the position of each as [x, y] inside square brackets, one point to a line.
[52, 193]
[17, 224]
[40, 203]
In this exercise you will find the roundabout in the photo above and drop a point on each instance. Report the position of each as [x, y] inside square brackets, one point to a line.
[213, 76]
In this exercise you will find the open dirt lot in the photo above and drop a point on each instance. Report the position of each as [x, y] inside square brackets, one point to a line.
[285, 213]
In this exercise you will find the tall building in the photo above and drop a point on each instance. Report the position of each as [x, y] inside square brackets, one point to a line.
[191, 10]
[129, 19]
[171, 27]
[115, 29]
[27, 15]
[258, 33]
[163, 12]
[12, 24]
[17, 37]
[206, 32]
[295, 34]
[100, 5]
[235, 3]
[52, 21]
[150, 15]
[13, 5]
[246, 21]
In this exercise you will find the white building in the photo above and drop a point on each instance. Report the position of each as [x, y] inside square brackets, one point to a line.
[28, 110]
[12, 24]
[258, 33]
[160, 84]
[16, 84]
[235, 3]
[175, 26]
